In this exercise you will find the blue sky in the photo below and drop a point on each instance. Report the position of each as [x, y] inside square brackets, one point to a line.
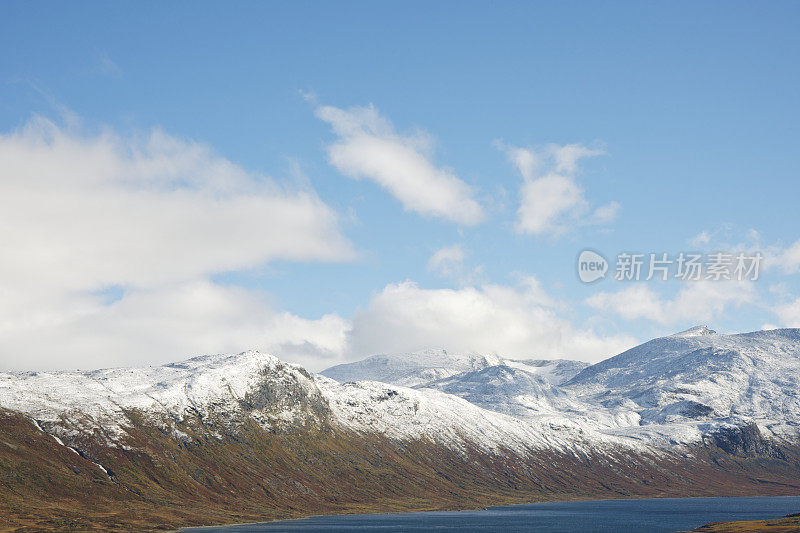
[689, 109]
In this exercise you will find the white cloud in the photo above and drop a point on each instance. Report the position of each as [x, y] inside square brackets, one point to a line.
[605, 214]
[787, 259]
[545, 200]
[511, 321]
[566, 157]
[789, 314]
[636, 301]
[368, 147]
[701, 301]
[448, 260]
[166, 324]
[701, 239]
[82, 213]
[551, 200]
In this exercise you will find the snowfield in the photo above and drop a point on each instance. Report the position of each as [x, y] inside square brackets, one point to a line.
[664, 393]
[668, 391]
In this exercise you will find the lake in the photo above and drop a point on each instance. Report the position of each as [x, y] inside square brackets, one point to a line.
[650, 516]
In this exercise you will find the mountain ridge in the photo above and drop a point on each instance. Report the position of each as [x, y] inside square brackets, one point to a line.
[243, 437]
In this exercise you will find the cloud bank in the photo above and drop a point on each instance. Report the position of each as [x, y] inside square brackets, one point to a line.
[149, 218]
[697, 301]
[112, 243]
[512, 321]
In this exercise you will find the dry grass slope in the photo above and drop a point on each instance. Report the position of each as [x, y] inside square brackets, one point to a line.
[250, 474]
[789, 524]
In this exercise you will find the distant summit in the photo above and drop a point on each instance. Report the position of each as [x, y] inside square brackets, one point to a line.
[696, 331]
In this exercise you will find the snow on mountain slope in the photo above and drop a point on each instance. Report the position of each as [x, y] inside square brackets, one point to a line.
[513, 390]
[555, 371]
[399, 412]
[521, 388]
[219, 383]
[418, 368]
[410, 369]
[671, 390]
[227, 389]
[687, 379]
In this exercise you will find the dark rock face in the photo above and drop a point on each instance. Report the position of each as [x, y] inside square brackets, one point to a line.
[694, 409]
[287, 387]
[745, 441]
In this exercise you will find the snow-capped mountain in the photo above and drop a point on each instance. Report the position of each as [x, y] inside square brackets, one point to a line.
[673, 389]
[513, 390]
[522, 388]
[410, 369]
[555, 371]
[247, 436]
[696, 376]
[228, 389]
[71, 402]
[418, 368]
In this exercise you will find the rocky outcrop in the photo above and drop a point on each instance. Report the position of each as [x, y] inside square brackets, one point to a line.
[744, 441]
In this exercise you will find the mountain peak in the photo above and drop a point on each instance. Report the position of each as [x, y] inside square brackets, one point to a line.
[411, 368]
[697, 331]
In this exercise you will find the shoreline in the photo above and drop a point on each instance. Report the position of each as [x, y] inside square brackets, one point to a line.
[487, 508]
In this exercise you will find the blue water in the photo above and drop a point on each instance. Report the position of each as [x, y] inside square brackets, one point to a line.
[618, 516]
